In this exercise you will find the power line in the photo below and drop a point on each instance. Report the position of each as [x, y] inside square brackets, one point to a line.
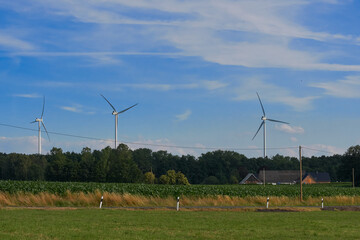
[160, 145]
[317, 150]
[55, 133]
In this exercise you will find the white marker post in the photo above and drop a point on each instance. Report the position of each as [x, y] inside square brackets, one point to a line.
[102, 197]
[322, 203]
[267, 203]
[178, 204]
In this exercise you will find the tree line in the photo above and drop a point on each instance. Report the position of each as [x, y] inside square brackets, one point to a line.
[144, 165]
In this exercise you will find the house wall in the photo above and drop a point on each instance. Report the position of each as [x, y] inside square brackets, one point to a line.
[308, 180]
[252, 182]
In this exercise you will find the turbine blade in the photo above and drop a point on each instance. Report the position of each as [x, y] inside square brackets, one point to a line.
[108, 102]
[45, 130]
[258, 130]
[42, 113]
[33, 122]
[128, 108]
[273, 120]
[262, 107]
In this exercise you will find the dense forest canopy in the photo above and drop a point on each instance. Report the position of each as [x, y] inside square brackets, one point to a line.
[130, 166]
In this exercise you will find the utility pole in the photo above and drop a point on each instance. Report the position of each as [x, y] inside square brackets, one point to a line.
[264, 175]
[301, 190]
[353, 177]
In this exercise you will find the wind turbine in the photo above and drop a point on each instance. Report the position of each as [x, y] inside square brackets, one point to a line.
[116, 113]
[263, 124]
[41, 122]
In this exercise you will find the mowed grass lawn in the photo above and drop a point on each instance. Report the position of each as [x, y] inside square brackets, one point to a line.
[163, 224]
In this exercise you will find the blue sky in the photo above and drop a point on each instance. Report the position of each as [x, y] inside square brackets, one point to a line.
[194, 67]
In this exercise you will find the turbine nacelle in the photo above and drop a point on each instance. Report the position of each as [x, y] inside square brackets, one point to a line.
[115, 113]
[263, 118]
[38, 119]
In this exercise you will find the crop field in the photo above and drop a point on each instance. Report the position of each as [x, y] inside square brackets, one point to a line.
[123, 224]
[321, 190]
[74, 194]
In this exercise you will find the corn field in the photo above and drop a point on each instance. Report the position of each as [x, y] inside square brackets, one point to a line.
[164, 191]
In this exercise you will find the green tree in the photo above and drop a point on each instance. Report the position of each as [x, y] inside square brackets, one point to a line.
[171, 174]
[122, 168]
[149, 178]
[181, 179]
[37, 167]
[101, 164]
[142, 157]
[173, 178]
[211, 180]
[350, 160]
[86, 165]
[162, 161]
[164, 179]
[21, 166]
[56, 166]
[234, 180]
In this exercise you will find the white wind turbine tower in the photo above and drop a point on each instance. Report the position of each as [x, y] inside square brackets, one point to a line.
[41, 122]
[116, 113]
[263, 124]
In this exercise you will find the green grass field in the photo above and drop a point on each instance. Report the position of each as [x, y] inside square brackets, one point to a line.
[126, 224]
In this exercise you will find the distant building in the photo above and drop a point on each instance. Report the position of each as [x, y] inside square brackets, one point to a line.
[285, 177]
[316, 177]
[279, 176]
[250, 179]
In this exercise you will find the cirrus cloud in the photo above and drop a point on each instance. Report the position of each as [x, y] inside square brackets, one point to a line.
[290, 129]
[183, 116]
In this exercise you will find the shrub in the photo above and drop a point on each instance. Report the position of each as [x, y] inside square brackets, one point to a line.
[181, 179]
[164, 179]
[149, 178]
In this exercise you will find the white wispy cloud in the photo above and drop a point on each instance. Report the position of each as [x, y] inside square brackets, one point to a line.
[344, 88]
[309, 150]
[55, 84]
[29, 95]
[164, 144]
[271, 93]
[196, 28]
[161, 87]
[76, 108]
[208, 85]
[10, 42]
[71, 109]
[322, 149]
[213, 85]
[98, 54]
[183, 116]
[290, 129]
[77, 146]
[253, 16]
[27, 145]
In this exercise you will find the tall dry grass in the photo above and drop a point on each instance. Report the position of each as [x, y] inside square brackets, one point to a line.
[127, 200]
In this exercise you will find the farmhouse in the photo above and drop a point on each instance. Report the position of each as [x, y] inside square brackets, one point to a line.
[285, 177]
[251, 179]
[279, 176]
[316, 177]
